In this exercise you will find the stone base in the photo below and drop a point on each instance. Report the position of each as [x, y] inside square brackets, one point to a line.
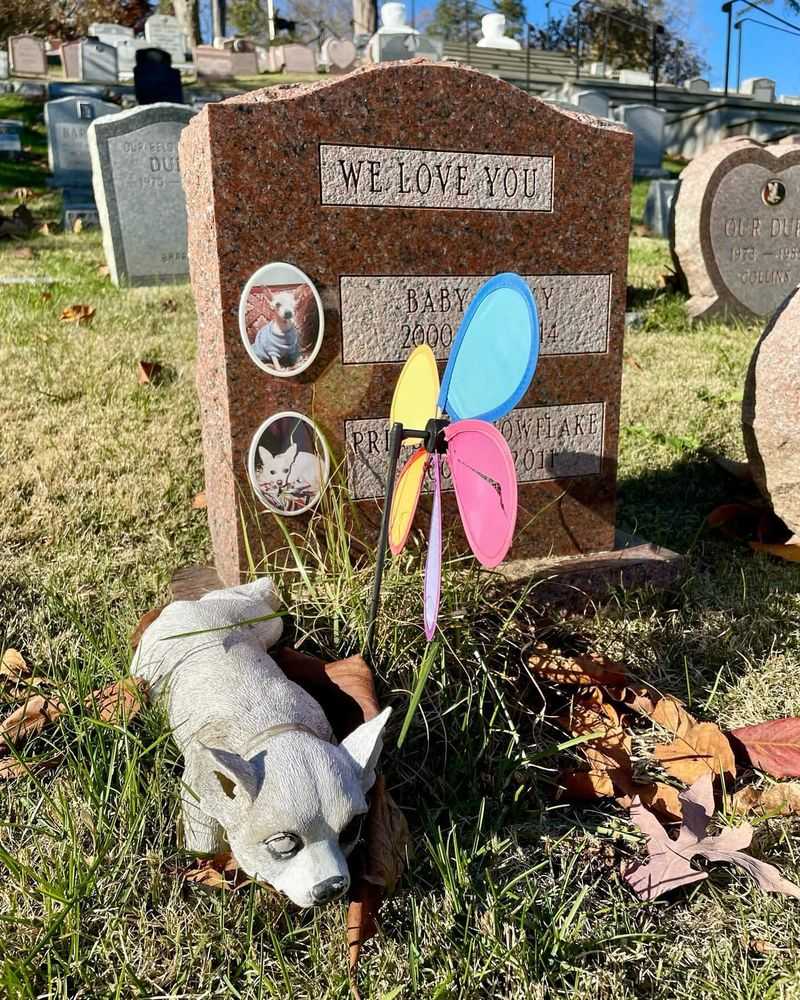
[575, 583]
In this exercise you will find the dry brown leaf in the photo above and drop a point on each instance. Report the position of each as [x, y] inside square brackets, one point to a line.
[27, 720]
[77, 225]
[147, 619]
[44, 229]
[13, 665]
[219, 872]
[24, 253]
[772, 746]
[148, 371]
[10, 768]
[781, 799]
[611, 747]
[199, 502]
[120, 701]
[579, 669]
[629, 359]
[169, 305]
[103, 270]
[78, 314]
[671, 715]
[698, 750]
[658, 796]
[46, 296]
[789, 552]
[387, 840]
[585, 786]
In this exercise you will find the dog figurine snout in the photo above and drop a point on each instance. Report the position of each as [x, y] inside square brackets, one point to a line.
[328, 889]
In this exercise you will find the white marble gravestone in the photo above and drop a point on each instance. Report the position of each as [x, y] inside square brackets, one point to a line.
[697, 85]
[164, 32]
[68, 120]
[338, 55]
[98, 61]
[635, 76]
[3, 65]
[138, 191]
[760, 88]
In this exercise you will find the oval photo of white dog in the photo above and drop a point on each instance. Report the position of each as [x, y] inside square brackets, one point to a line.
[281, 319]
[288, 463]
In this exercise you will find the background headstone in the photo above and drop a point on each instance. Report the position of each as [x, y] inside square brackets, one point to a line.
[395, 259]
[338, 55]
[27, 55]
[138, 191]
[107, 31]
[213, 63]
[658, 206]
[163, 31]
[737, 227]
[11, 138]
[68, 120]
[593, 102]
[697, 85]
[70, 53]
[760, 88]
[155, 80]
[638, 77]
[78, 204]
[299, 59]
[98, 62]
[3, 65]
[771, 413]
[126, 54]
[647, 124]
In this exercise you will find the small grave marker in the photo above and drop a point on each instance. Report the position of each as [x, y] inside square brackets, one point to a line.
[27, 55]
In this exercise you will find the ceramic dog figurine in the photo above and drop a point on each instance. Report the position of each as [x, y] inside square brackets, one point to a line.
[262, 774]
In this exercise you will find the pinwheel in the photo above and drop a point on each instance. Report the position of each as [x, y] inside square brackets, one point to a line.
[490, 367]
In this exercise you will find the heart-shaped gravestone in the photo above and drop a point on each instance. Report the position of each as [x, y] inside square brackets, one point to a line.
[737, 227]
[341, 54]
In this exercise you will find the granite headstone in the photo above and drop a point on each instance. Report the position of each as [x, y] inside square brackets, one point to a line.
[658, 206]
[338, 55]
[771, 413]
[163, 31]
[138, 191]
[27, 55]
[68, 120]
[396, 193]
[647, 124]
[737, 227]
[11, 138]
[70, 53]
[760, 88]
[593, 102]
[213, 63]
[98, 62]
[3, 65]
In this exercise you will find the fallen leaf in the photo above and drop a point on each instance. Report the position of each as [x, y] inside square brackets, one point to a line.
[44, 229]
[169, 305]
[147, 619]
[668, 866]
[580, 669]
[77, 225]
[13, 665]
[762, 947]
[639, 229]
[773, 746]
[199, 502]
[611, 747]
[103, 270]
[77, 314]
[24, 253]
[670, 714]
[120, 701]
[219, 872]
[27, 720]
[699, 749]
[629, 359]
[383, 861]
[585, 786]
[46, 296]
[657, 795]
[789, 552]
[781, 799]
[23, 194]
[11, 768]
[148, 371]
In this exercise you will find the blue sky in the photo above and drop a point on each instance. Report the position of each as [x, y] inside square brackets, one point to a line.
[765, 51]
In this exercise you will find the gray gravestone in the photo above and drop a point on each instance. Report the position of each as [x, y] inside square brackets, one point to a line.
[10, 138]
[164, 32]
[98, 62]
[647, 124]
[697, 85]
[139, 195]
[126, 54]
[68, 120]
[79, 205]
[108, 32]
[760, 88]
[593, 102]
[70, 53]
[27, 55]
[658, 207]
[3, 65]
[737, 227]
[398, 48]
[213, 63]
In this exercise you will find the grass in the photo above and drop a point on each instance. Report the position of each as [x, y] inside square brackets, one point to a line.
[510, 893]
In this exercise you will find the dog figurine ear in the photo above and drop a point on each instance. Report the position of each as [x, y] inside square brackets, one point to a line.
[229, 782]
[364, 747]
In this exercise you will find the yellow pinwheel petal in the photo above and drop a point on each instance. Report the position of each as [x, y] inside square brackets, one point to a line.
[405, 499]
[416, 392]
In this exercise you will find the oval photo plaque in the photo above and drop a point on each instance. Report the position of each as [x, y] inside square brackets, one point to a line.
[288, 463]
[281, 319]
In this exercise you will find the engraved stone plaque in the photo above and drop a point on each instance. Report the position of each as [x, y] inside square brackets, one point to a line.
[737, 227]
[424, 178]
[385, 318]
[396, 189]
[547, 442]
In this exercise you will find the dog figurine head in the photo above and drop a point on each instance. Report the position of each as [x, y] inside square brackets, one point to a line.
[292, 809]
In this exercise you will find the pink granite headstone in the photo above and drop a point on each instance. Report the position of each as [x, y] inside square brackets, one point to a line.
[396, 190]
[27, 54]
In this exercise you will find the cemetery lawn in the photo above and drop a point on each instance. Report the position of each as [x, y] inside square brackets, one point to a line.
[510, 894]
